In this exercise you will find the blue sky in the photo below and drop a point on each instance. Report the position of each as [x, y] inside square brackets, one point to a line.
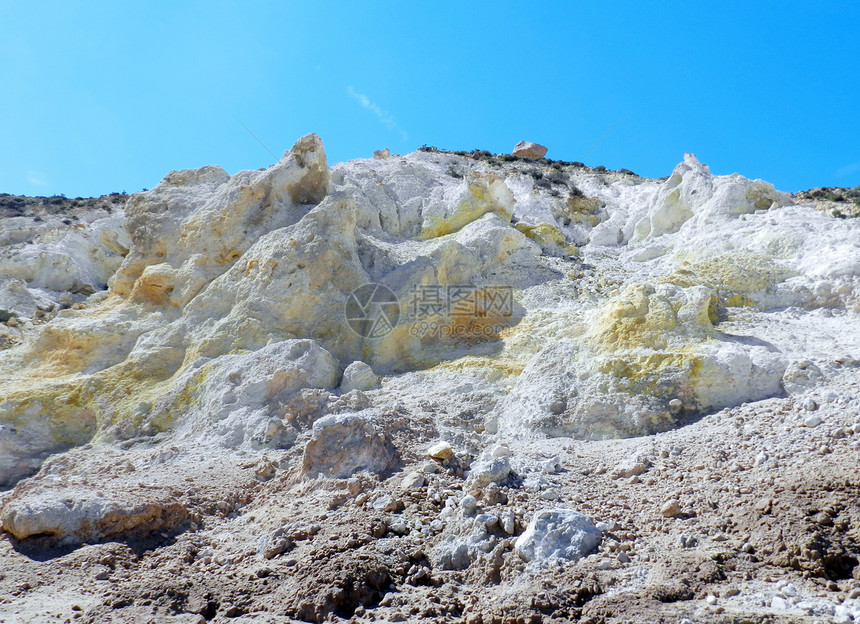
[110, 96]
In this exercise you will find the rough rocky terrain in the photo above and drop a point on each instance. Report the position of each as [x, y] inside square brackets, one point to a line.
[567, 394]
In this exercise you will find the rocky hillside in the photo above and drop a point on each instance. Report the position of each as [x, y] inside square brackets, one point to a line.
[439, 386]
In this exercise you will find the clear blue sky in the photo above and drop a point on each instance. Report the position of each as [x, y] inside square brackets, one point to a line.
[109, 96]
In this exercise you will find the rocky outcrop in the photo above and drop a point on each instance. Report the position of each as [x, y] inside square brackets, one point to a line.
[643, 359]
[421, 363]
[228, 299]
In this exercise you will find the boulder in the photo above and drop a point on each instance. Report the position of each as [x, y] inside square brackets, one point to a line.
[358, 376]
[75, 515]
[441, 450]
[557, 534]
[489, 470]
[343, 444]
[529, 150]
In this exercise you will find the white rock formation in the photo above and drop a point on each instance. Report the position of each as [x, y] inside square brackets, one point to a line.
[644, 348]
[224, 323]
[557, 534]
[358, 376]
[198, 378]
[79, 258]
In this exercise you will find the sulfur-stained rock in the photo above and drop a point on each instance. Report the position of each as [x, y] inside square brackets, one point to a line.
[642, 349]
[224, 320]
[440, 450]
[481, 193]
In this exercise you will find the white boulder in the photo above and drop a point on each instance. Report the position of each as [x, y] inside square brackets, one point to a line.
[557, 534]
[358, 376]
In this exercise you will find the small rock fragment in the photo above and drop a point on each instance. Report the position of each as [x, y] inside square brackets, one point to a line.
[440, 450]
[812, 421]
[358, 376]
[468, 504]
[490, 470]
[809, 404]
[276, 546]
[412, 481]
[670, 509]
[501, 450]
[634, 465]
[387, 503]
[399, 528]
[551, 466]
[488, 520]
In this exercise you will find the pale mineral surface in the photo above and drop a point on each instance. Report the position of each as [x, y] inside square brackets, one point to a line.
[452, 387]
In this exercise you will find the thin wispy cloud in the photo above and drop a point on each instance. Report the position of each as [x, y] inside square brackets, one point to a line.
[384, 118]
[36, 178]
[847, 170]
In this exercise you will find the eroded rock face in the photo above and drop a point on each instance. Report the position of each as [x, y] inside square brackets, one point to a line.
[593, 302]
[640, 351]
[78, 258]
